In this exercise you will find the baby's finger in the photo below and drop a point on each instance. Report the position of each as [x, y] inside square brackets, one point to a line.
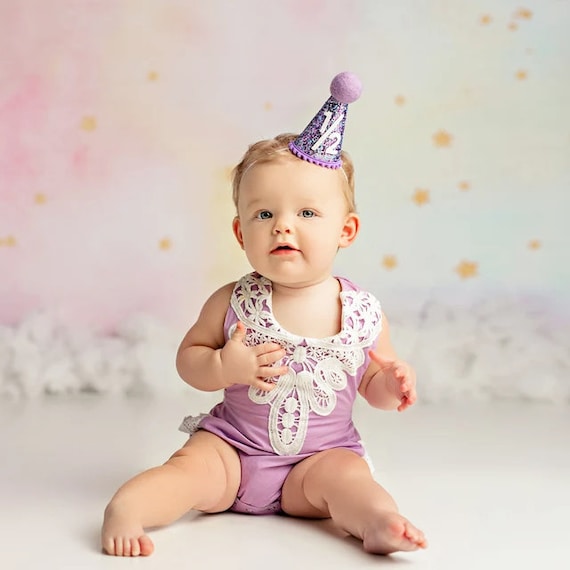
[264, 386]
[270, 357]
[407, 401]
[239, 332]
[270, 371]
[404, 403]
[401, 374]
[267, 348]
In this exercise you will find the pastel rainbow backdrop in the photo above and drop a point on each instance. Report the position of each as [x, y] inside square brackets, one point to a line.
[120, 120]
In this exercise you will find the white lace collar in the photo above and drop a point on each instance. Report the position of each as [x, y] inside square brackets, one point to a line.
[361, 314]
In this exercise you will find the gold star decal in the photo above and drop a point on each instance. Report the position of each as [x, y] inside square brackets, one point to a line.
[227, 173]
[152, 76]
[165, 244]
[89, 123]
[40, 198]
[400, 100]
[467, 269]
[534, 244]
[9, 241]
[442, 139]
[485, 19]
[268, 106]
[464, 185]
[421, 196]
[521, 75]
[513, 26]
[523, 14]
[389, 262]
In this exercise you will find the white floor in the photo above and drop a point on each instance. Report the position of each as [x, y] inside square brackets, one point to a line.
[490, 486]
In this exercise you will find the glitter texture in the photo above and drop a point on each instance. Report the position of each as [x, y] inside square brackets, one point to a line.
[321, 141]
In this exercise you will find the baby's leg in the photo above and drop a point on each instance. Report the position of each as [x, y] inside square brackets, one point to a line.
[337, 483]
[203, 475]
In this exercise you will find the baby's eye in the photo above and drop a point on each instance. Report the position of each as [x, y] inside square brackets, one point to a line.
[307, 214]
[264, 215]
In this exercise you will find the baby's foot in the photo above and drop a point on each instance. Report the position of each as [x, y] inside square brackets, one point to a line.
[122, 536]
[391, 532]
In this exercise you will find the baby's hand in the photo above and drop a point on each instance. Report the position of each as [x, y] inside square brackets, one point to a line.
[400, 379]
[251, 365]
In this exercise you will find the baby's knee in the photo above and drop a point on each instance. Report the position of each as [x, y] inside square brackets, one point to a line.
[341, 464]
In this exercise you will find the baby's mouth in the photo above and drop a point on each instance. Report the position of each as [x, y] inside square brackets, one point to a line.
[283, 248]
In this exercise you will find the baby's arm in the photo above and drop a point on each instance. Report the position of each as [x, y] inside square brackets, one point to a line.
[388, 383]
[207, 362]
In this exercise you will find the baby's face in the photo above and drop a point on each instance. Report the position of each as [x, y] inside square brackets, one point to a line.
[292, 218]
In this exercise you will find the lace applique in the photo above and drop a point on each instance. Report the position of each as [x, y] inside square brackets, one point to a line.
[190, 424]
[322, 365]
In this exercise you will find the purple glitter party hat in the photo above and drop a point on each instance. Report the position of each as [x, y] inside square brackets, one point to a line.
[321, 141]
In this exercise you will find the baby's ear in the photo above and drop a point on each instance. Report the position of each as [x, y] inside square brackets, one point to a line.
[236, 227]
[349, 230]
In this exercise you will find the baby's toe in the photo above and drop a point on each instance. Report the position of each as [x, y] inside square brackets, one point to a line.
[134, 548]
[118, 550]
[415, 535]
[146, 545]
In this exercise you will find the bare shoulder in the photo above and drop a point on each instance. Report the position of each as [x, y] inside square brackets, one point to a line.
[220, 296]
[208, 330]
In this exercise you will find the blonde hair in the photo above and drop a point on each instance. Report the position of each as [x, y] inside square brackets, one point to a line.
[271, 149]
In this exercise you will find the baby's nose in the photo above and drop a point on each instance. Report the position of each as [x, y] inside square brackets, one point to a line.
[282, 226]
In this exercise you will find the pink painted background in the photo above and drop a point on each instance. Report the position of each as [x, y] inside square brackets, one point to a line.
[119, 121]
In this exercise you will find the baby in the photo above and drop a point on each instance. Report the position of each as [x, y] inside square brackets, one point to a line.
[291, 345]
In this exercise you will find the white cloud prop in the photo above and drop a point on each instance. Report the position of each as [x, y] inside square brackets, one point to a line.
[496, 348]
[41, 357]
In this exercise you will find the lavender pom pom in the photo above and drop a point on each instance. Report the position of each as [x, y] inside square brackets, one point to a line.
[346, 87]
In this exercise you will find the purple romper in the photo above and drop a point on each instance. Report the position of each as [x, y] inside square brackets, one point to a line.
[310, 410]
